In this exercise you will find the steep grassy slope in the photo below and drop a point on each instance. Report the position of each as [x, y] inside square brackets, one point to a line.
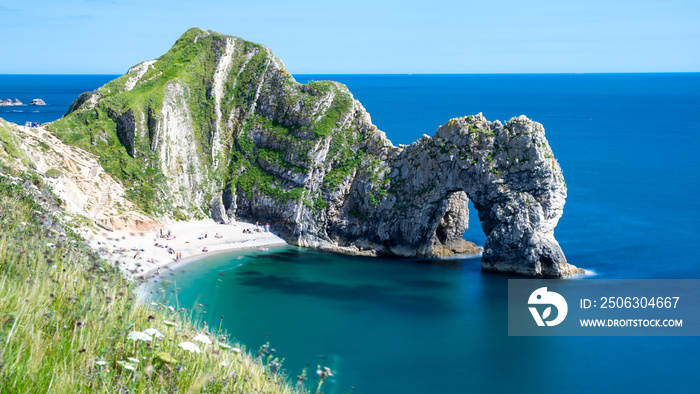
[203, 93]
[66, 317]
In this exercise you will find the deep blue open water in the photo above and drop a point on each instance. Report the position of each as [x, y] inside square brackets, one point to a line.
[628, 147]
[58, 91]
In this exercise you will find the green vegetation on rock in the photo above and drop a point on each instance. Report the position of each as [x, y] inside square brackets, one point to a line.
[8, 142]
[341, 105]
[53, 173]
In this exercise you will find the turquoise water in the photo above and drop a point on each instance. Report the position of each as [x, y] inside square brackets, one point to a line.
[396, 326]
[627, 146]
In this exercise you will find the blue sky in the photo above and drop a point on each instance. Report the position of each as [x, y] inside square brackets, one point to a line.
[439, 36]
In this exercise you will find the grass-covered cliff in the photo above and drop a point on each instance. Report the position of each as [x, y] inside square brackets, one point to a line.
[177, 130]
[67, 320]
[217, 127]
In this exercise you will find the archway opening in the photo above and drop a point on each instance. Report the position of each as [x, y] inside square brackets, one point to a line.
[475, 233]
[451, 232]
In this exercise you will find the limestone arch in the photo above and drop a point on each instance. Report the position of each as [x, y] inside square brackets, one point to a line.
[513, 180]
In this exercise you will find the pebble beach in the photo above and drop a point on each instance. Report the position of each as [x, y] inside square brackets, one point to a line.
[142, 253]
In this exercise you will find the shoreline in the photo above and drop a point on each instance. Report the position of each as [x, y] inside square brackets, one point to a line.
[141, 253]
[149, 278]
[173, 265]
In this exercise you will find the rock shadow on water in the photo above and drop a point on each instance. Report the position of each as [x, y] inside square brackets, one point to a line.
[352, 297]
[283, 256]
[455, 262]
[249, 273]
[302, 256]
[425, 284]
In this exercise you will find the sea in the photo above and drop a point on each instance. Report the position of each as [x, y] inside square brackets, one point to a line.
[628, 147]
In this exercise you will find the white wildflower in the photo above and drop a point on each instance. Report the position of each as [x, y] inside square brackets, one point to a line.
[224, 346]
[189, 346]
[139, 336]
[237, 350]
[101, 362]
[154, 333]
[133, 360]
[202, 338]
[169, 323]
[223, 364]
[125, 365]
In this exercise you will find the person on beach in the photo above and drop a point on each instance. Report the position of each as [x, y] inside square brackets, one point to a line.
[267, 227]
[157, 271]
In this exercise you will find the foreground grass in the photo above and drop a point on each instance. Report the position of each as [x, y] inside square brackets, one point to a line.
[69, 323]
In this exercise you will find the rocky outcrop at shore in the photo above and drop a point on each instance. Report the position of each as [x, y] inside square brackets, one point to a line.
[218, 127]
[37, 101]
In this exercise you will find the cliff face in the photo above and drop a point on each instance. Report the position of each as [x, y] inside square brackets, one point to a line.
[217, 127]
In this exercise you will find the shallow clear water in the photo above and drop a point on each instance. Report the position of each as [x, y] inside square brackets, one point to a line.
[627, 146]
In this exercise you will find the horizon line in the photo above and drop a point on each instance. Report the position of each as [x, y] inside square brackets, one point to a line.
[421, 73]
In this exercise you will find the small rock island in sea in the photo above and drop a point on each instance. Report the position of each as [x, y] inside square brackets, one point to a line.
[8, 102]
[218, 127]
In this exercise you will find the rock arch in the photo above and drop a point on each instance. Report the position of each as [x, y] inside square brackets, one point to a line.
[509, 173]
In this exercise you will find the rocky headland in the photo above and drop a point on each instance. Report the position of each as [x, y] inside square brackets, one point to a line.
[217, 127]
